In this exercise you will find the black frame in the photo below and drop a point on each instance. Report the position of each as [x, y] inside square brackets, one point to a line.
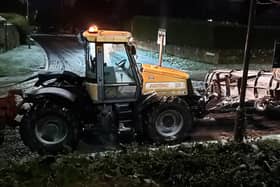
[99, 50]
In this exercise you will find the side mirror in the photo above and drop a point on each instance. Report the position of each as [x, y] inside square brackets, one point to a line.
[140, 67]
[132, 50]
[81, 38]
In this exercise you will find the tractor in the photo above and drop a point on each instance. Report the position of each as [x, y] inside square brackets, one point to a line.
[116, 96]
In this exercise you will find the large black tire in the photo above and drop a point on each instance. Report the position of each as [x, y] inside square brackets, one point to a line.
[169, 120]
[50, 128]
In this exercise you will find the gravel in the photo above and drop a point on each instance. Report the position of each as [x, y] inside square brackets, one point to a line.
[13, 148]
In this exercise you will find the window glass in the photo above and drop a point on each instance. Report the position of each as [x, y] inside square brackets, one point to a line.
[117, 68]
[92, 57]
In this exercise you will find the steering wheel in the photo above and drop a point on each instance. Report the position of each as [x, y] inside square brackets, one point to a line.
[121, 63]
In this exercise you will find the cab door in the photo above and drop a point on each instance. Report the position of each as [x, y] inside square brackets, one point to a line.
[119, 79]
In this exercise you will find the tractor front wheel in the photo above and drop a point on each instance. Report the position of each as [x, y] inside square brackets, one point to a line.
[50, 128]
[169, 120]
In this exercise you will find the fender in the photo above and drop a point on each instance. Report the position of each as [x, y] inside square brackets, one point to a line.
[66, 75]
[53, 91]
[149, 99]
[32, 96]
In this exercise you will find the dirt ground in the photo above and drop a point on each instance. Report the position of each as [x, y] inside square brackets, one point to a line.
[218, 126]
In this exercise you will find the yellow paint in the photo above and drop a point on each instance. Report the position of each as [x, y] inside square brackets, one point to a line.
[108, 36]
[164, 81]
[92, 90]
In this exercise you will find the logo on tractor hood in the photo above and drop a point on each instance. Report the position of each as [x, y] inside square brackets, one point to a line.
[166, 85]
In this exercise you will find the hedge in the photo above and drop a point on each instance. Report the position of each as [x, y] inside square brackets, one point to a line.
[202, 34]
[251, 164]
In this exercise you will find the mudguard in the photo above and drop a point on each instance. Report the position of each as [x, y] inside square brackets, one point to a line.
[77, 98]
[148, 99]
[52, 91]
[66, 75]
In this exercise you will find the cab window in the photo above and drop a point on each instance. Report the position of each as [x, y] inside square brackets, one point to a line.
[117, 67]
[91, 62]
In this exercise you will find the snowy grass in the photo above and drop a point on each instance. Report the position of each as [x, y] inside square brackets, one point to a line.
[21, 62]
[197, 70]
[148, 57]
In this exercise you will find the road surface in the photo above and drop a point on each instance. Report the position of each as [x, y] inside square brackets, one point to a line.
[63, 53]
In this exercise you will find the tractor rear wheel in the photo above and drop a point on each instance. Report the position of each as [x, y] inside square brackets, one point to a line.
[169, 120]
[50, 128]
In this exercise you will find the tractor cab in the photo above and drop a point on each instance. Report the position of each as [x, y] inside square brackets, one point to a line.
[111, 71]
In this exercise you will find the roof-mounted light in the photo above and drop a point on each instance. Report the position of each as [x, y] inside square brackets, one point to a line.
[93, 29]
[131, 40]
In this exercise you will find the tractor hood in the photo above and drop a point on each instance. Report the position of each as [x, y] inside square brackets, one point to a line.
[168, 72]
[164, 81]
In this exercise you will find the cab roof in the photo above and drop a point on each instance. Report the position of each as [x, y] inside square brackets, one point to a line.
[108, 36]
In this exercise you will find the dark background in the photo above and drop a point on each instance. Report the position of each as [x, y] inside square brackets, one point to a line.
[115, 12]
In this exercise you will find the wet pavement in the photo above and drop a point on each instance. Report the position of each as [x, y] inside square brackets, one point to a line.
[215, 127]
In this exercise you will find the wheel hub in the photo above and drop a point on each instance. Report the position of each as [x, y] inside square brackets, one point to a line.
[169, 123]
[51, 131]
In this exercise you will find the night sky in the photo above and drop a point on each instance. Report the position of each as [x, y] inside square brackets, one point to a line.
[80, 12]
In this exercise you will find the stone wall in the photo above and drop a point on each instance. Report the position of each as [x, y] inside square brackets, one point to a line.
[9, 36]
[2, 39]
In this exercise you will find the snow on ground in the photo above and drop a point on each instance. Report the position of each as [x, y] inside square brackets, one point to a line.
[196, 69]
[21, 62]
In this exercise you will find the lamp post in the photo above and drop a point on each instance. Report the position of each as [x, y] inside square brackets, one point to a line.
[240, 121]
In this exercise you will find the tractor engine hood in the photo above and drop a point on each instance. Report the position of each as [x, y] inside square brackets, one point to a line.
[164, 81]
[170, 72]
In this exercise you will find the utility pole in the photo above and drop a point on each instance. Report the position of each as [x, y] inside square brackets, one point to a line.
[240, 121]
[27, 10]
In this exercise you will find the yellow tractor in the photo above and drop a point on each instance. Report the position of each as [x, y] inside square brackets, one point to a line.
[116, 96]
